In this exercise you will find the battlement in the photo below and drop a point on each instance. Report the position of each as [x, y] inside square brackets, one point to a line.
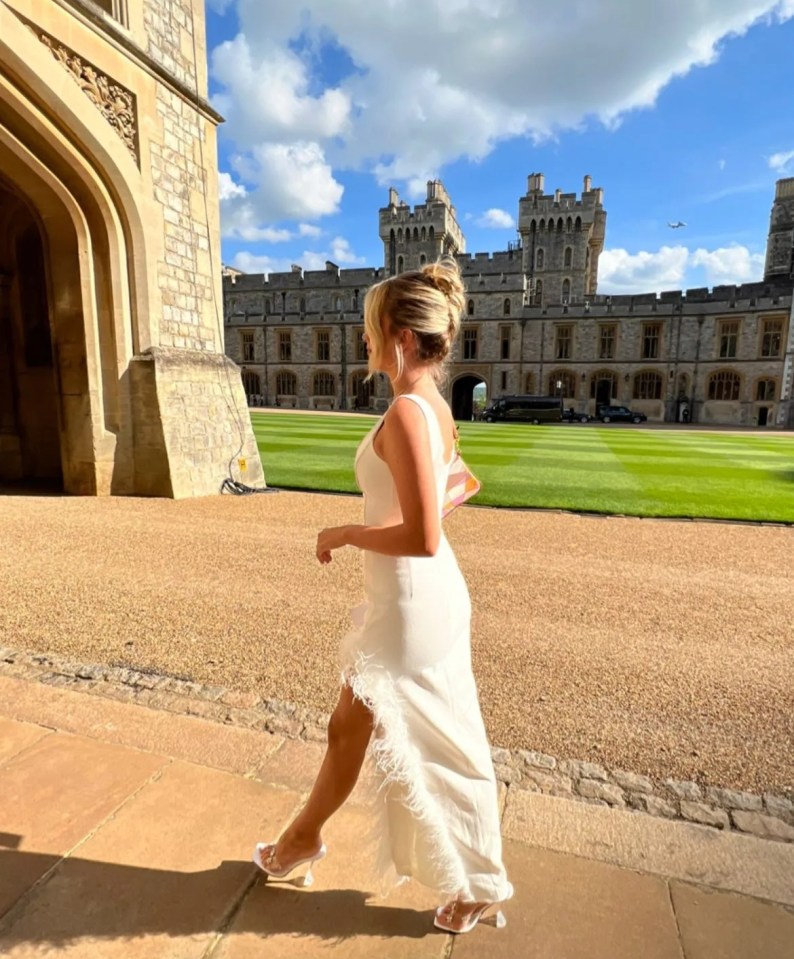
[297, 278]
[537, 202]
[507, 261]
[784, 188]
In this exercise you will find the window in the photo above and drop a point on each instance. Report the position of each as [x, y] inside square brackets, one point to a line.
[729, 334]
[538, 299]
[285, 346]
[604, 386]
[648, 386]
[568, 258]
[422, 260]
[528, 384]
[251, 384]
[506, 307]
[303, 304]
[355, 301]
[114, 8]
[248, 347]
[765, 390]
[651, 333]
[286, 384]
[323, 342]
[606, 341]
[268, 307]
[566, 291]
[772, 337]
[324, 384]
[361, 346]
[470, 308]
[562, 342]
[504, 342]
[567, 381]
[400, 263]
[470, 343]
[568, 225]
[338, 304]
[504, 379]
[724, 385]
[540, 259]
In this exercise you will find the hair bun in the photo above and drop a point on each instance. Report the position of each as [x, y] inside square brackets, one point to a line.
[445, 274]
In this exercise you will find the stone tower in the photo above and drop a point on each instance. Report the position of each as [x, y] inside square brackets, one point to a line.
[562, 238]
[780, 244]
[420, 235]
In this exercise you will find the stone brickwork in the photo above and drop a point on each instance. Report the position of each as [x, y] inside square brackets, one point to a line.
[767, 816]
[169, 26]
[697, 355]
[188, 314]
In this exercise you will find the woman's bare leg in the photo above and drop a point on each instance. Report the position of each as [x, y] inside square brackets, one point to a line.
[349, 733]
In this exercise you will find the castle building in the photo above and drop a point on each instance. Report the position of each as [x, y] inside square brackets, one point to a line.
[113, 375]
[534, 321]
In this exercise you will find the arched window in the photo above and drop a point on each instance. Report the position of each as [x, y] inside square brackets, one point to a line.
[568, 260]
[567, 381]
[538, 292]
[604, 386]
[338, 303]
[408, 236]
[540, 259]
[568, 225]
[251, 384]
[303, 304]
[724, 385]
[286, 383]
[400, 235]
[765, 390]
[400, 262]
[560, 225]
[355, 300]
[431, 234]
[470, 308]
[506, 307]
[566, 291]
[648, 385]
[324, 384]
[422, 260]
[361, 390]
[578, 224]
[542, 226]
[424, 232]
[416, 232]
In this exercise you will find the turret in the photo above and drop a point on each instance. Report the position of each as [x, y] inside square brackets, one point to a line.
[413, 236]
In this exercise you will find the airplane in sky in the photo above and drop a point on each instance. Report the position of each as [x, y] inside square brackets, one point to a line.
[677, 225]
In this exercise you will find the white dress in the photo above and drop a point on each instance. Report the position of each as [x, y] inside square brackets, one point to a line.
[409, 660]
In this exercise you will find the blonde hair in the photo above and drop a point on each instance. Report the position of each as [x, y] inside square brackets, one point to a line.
[429, 302]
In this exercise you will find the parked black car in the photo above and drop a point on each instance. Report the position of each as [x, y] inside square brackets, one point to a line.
[571, 416]
[619, 414]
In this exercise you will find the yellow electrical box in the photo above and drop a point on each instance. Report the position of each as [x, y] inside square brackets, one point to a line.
[242, 464]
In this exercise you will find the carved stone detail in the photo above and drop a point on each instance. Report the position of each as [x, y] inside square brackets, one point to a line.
[115, 103]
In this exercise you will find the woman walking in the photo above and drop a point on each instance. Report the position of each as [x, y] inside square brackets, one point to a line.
[407, 666]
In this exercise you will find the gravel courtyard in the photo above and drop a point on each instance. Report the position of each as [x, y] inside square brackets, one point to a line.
[664, 648]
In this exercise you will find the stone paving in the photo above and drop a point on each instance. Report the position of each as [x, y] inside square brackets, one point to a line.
[126, 831]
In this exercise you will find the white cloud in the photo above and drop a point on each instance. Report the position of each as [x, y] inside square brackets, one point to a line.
[670, 267]
[729, 264]
[307, 229]
[496, 219]
[622, 272]
[228, 189]
[339, 253]
[782, 162]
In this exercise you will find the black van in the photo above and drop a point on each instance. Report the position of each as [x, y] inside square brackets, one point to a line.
[524, 409]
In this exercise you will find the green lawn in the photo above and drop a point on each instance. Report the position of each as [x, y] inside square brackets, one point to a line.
[605, 469]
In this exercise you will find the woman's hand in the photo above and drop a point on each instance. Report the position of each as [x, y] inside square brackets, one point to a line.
[335, 537]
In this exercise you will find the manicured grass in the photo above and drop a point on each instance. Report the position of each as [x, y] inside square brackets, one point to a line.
[604, 469]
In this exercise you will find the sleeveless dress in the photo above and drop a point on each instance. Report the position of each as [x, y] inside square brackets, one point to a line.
[409, 660]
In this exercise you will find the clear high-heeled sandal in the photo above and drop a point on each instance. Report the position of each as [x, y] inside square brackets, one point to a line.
[264, 856]
[490, 912]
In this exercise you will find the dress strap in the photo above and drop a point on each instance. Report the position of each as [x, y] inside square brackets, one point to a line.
[431, 416]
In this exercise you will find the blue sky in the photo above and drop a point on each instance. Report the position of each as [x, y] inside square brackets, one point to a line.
[676, 114]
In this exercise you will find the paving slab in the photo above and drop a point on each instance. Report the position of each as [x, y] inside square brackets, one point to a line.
[296, 764]
[342, 914]
[54, 794]
[729, 861]
[189, 738]
[567, 908]
[159, 879]
[16, 737]
[719, 925]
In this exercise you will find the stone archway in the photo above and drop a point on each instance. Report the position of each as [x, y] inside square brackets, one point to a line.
[463, 396]
[30, 446]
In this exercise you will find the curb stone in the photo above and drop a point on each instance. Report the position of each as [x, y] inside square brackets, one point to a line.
[769, 817]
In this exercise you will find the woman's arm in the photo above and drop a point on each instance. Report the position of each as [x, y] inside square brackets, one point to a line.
[405, 448]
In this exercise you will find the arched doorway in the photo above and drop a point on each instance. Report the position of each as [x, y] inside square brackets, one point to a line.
[30, 450]
[463, 398]
[361, 390]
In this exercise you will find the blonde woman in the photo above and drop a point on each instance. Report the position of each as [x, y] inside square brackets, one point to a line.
[407, 666]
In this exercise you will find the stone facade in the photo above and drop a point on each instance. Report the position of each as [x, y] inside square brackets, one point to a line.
[110, 191]
[534, 323]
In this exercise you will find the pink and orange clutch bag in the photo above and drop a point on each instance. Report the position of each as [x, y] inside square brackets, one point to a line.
[462, 484]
